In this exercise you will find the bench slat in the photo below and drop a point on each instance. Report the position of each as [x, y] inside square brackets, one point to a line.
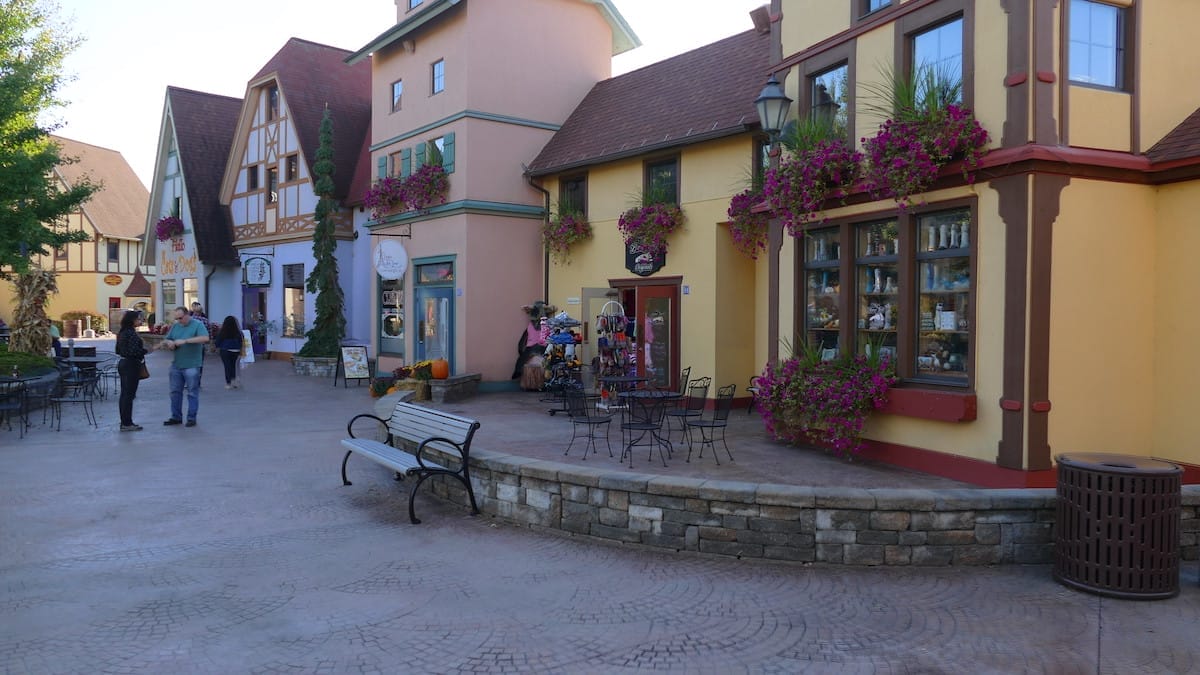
[393, 458]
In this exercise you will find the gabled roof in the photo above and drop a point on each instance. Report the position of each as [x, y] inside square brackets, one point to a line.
[623, 37]
[204, 127]
[311, 75]
[1183, 142]
[699, 95]
[118, 209]
[139, 286]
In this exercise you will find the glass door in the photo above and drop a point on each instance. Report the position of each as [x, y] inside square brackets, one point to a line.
[435, 324]
[657, 333]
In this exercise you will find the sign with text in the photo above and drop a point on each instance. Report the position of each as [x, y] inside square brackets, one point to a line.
[256, 271]
[643, 263]
[391, 260]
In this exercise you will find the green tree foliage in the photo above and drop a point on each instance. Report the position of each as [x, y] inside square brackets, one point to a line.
[330, 325]
[32, 200]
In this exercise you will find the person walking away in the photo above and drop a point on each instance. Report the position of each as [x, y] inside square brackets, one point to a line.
[229, 345]
[133, 354]
[186, 338]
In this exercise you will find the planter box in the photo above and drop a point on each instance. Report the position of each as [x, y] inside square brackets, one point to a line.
[315, 366]
[420, 388]
[454, 388]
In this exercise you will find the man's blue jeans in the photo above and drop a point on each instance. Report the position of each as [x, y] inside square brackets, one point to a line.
[180, 378]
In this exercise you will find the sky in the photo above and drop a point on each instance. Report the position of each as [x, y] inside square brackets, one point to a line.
[133, 49]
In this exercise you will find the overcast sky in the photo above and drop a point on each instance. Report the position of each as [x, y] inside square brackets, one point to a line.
[133, 49]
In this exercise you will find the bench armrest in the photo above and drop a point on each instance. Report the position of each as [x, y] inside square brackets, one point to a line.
[462, 450]
[382, 423]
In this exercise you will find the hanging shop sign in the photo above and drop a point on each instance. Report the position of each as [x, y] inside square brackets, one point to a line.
[643, 263]
[391, 260]
[256, 271]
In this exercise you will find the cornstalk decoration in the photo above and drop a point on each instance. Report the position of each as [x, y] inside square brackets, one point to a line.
[30, 330]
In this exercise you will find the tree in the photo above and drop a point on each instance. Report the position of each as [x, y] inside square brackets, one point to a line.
[32, 201]
[329, 327]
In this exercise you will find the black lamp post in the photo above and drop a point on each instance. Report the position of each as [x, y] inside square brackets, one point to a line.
[773, 105]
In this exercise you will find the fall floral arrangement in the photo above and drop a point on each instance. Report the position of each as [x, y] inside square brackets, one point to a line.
[807, 399]
[421, 370]
[646, 227]
[748, 229]
[168, 227]
[561, 233]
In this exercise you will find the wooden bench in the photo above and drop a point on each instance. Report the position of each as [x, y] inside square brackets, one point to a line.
[425, 429]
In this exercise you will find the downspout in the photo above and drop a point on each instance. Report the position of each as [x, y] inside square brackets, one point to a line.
[207, 283]
[545, 250]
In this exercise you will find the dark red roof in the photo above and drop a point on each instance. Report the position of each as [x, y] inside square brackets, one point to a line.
[311, 75]
[204, 128]
[139, 286]
[699, 95]
[1183, 142]
[361, 181]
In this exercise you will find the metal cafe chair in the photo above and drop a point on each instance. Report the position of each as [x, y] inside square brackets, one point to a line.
[695, 396]
[644, 417]
[14, 404]
[80, 390]
[711, 427]
[753, 391]
[584, 415]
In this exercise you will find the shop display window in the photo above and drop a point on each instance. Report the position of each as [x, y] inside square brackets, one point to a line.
[878, 283]
[944, 296]
[823, 284]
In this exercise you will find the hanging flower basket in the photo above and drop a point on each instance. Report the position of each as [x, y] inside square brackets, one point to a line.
[798, 189]
[646, 227]
[384, 195]
[560, 234]
[748, 229]
[168, 227]
[422, 189]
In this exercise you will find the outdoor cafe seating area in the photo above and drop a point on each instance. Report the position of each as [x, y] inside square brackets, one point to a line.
[39, 400]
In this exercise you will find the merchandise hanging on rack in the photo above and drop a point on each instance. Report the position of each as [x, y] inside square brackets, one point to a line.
[616, 356]
[563, 369]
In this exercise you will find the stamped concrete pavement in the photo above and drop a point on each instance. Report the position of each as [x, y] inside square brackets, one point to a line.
[232, 547]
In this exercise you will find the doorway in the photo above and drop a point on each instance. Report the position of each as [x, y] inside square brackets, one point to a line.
[254, 316]
[435, 323]
[654, 308]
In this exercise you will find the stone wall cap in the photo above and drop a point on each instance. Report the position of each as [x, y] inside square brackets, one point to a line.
[844, 498]
[729, 490]
[779, 494]
[674, 486]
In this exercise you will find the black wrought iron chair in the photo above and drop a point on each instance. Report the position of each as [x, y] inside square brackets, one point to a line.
[710, 428]
[692, 405]
[109, 377]
[13, 404]
[644, 417]
[78, 390]
[753, 391]
[584, 415]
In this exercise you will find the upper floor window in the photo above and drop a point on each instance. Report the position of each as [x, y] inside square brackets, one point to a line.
[272, 103]
[395, 163]
[176, 206]
[397, 92]
[1097, 51]
[60, 253]
[937, 60]
[291, 168]
[868, 6]
[413, 4]
[114, 251]
[251, 178]
[828, 96]
[272, 185]
[662, 182]
[438, 76]
[572, 195]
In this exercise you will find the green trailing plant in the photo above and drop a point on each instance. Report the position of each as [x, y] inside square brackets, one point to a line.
[329, 326]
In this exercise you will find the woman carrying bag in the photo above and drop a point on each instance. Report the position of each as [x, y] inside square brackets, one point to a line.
[131, 367]
[229, 346]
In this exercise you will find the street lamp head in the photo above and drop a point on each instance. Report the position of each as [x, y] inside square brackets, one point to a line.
[773, 105]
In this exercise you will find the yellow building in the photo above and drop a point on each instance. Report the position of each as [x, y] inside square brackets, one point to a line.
[95, 274]
[1039, 309]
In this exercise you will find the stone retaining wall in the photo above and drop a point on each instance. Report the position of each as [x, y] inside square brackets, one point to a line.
[782, 522]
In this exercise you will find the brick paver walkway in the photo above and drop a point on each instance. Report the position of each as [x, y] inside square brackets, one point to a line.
[233, 548]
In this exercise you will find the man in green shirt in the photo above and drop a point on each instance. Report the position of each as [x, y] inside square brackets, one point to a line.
[187, 339]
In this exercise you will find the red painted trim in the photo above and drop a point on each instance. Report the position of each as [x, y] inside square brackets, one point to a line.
[965, 469]
[942, 406]
[1040, 406]
[1010, 405]
[1045, 76]
[1015, 79]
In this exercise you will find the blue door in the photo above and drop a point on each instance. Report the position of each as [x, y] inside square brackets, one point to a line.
[435, 323]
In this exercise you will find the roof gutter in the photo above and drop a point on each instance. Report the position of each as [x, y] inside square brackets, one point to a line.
[545, 249]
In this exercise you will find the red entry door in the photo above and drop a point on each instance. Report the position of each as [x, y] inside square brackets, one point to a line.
[657, 333]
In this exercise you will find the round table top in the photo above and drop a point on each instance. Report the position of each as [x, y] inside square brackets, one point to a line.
[623, 379]
[651, 394]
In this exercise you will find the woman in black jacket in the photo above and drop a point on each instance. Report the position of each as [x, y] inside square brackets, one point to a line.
[132, 353]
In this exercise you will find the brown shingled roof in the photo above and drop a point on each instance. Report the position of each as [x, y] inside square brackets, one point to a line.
[311, 75]
[204, 129]
[1183, 142]
[702, 94]
[119, 207]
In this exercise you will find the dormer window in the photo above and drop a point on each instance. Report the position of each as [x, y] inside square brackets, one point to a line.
[273, 103]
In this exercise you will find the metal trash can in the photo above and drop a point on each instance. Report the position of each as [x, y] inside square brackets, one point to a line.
[1117, 525]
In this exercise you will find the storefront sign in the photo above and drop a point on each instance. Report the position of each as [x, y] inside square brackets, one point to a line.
[643, 263]
[256, 272]
[113, 279]
[391, 260]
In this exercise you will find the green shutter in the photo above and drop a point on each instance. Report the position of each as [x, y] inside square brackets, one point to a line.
[382, 164]
[405, 162]
[420, 162]
[448, 152]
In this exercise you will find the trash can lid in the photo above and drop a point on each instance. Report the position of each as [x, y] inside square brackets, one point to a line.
[1112, 463]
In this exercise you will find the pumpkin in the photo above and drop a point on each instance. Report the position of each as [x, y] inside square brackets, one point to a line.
[441, 369]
